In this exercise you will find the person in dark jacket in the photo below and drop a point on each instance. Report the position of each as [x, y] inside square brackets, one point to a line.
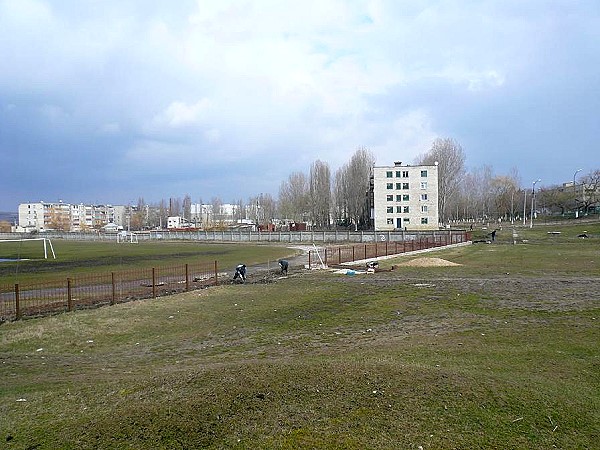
[283, 264]
[240, 272]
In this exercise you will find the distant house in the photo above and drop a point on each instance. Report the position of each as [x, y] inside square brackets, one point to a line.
[175, 222]
[111, 227]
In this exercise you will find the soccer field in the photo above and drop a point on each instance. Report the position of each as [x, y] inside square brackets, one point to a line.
[26, 261]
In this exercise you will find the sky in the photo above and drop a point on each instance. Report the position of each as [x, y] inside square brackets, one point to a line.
[107, 101]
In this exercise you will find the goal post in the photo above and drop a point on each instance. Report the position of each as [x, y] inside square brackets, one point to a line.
[16, 250]
[127, 237]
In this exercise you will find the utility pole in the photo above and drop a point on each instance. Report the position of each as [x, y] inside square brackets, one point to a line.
[533, 201]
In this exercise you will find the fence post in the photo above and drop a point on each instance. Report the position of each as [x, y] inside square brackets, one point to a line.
[309, 265]
[216, 274]
[17, 302]
[339, 255]
[112, 280]
[353, 258]
[153, 282]
[187, 277]
[69, 295]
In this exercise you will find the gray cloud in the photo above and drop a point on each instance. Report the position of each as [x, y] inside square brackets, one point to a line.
[112, 100]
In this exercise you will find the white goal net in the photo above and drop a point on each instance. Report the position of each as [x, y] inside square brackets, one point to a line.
[127, 237]
[32, 248]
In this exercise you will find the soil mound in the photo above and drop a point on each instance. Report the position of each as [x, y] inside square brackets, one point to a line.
[429, 262]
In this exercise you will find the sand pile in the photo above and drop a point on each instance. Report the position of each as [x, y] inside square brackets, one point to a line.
[429, 262]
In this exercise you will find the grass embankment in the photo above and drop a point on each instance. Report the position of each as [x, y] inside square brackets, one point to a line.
[80, 257]
[500, 352]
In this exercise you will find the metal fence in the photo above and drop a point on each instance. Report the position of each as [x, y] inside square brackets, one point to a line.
[349, 253]
[284, 237]
[37, 299]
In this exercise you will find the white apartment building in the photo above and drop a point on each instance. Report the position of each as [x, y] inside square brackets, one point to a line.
[204, 215]
[45, 216]
[404, 197]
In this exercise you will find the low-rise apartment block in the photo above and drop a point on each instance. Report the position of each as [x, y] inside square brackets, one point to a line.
[404, 197]
[46, 216]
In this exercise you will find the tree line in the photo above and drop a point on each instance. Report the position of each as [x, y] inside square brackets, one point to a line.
[340, 199]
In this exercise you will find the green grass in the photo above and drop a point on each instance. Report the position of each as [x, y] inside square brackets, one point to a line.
[440, 357]
[80, 257]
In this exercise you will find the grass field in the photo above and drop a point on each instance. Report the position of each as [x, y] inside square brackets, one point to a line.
[81, 257]
[501, 352]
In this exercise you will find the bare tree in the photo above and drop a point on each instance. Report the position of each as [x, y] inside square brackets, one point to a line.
[174, 207]
[138, 215]
[505, 191]
[340, 196]
[187, 207]
[163, 212]
[239, 212]
[293, 197]
[556, 199]
[590, 191]
[357, 177]
[320, 193]
[216, 216]
[450, 157]
[267, 209]
[60, 219]
[474, 199]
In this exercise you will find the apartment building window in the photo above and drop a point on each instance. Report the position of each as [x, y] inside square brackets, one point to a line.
[406, 197]
[388, 174]
[398, 209]
[424, 208]
[423, 197]
[423, 173]
[405, 186]
[398, 198]
[390, 198]
[398, 174]
[390, 209]
[398, 185]
[406, 220]
[424, 220]
[423, 184]
[390, 185]
[405, 209]
[390, 221]
[405, 174]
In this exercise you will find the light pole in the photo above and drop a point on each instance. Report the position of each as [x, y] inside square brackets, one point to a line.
[533, 201]
[524, 206]
[575, 193]
[512, 209]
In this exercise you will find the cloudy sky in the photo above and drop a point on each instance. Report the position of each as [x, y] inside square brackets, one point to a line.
[105, 101]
